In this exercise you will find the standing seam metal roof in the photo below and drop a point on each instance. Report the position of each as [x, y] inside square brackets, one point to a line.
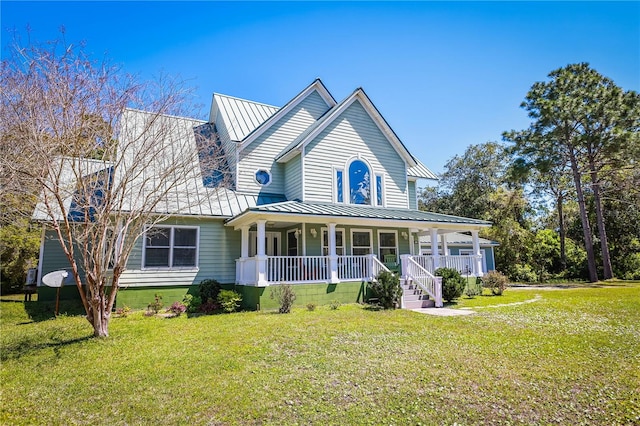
[242, 116]
[365, 212]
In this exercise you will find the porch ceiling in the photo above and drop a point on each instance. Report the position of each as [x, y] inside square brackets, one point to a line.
[349, 214]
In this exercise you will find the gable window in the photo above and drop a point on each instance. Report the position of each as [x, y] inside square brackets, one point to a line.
[359, 183]
[361, 242]
[379, 180]
[388, 244]
[170, 247]
[339, 242]
[339, 183]
[263, 177]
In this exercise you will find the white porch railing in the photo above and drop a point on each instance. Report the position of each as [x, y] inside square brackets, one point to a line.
[412, 271]
[304, 269]
[466, 265]
[297, 268]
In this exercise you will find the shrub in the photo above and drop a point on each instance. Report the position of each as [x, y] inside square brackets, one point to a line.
[124, 311]
[178, 308]
[452, 283]
[311, 306]
[209, 307]
[522, 273]
[229, 300]
[386, 288]
[334, 305]
[285, 296]
[209, 289]
[495, 281]
[192, 303]
[156, 305]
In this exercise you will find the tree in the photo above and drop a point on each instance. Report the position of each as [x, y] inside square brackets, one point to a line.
[584, 120]
[104, 169]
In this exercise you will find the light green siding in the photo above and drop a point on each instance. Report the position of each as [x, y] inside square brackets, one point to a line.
[54, 258]
[260, 154]
[353, 134]
[293, 178]
[412, 195]
[219, 246]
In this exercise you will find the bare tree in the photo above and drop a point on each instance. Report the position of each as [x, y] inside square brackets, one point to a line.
[108, 155]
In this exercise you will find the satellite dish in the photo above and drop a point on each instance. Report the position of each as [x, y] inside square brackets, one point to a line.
[55, 278]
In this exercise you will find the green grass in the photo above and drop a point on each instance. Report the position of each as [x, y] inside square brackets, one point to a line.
[570, 357]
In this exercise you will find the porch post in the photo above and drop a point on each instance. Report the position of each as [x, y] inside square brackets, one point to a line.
[261, 258]
[445, 247]
[333, 257]
[434, 248]
[244, 254]
[477, 265]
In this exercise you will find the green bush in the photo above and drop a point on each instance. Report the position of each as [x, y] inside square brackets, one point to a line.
[192, 303]
[522, 273]
[311, 306]
[285, 296]
[495, 281]
[386, 288]
[229, 300]
[452, 283]
[209, 290]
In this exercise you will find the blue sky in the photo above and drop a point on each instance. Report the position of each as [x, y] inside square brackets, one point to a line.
[444, 74]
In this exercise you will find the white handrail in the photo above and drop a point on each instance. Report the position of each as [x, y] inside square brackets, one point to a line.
[431, 284]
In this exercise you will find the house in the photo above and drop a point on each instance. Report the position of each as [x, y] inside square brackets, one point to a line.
[317, 193]
[454, 246]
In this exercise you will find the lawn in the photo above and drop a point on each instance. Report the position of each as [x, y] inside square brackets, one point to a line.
[565, 356]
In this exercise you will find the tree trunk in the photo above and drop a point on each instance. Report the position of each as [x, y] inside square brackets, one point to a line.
[562, 232]
[602, 232]
[586, 228]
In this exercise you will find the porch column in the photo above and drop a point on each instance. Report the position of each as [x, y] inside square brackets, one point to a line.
[445, 247]
[244, 243]
[333, 257]
[434, 248]
[261, 258]
[477, 265]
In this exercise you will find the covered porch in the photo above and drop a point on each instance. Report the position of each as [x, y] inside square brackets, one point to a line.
[299, 243]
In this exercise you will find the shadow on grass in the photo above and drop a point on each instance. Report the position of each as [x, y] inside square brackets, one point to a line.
[44, 311]
[27, 346]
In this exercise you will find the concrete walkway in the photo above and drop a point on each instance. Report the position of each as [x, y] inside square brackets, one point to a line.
[444, 312]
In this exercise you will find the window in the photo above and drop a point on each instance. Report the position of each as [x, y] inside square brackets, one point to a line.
[379, 190]
[359, 183]
[339, 180]
[339, 242]
[263, 177]
[170, 247]
[387, 242]
[271, 243]
[361, 242]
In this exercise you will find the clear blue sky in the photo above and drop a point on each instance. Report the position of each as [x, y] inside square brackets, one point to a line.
[444, 74]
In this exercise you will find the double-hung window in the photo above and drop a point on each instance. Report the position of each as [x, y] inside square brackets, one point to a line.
[171, 247]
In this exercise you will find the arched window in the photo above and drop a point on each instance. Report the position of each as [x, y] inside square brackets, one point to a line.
[359, 183]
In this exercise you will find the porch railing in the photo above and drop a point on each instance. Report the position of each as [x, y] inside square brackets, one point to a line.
[466, 265]
[301, 269]
[297, 268]
[412, 271]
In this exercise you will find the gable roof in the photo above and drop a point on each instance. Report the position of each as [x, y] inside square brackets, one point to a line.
[239, 116]
[330, 116]
[421, 171]
[316, 86]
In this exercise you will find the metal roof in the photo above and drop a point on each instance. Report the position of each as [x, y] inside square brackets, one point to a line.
[240, 116]
[454, 238]
[299, 208]
[421, 171]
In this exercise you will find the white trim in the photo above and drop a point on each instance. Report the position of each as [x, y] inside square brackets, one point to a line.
[373, 113]
[317, 86]
[41, 256]
[370, 232]
[346, 181]
[270, 237]
[390, 231]
[302, 179]
[255, 178]
[344, 242]
[171, 228]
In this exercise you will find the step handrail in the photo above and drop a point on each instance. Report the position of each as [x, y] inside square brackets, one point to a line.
[428, 282]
